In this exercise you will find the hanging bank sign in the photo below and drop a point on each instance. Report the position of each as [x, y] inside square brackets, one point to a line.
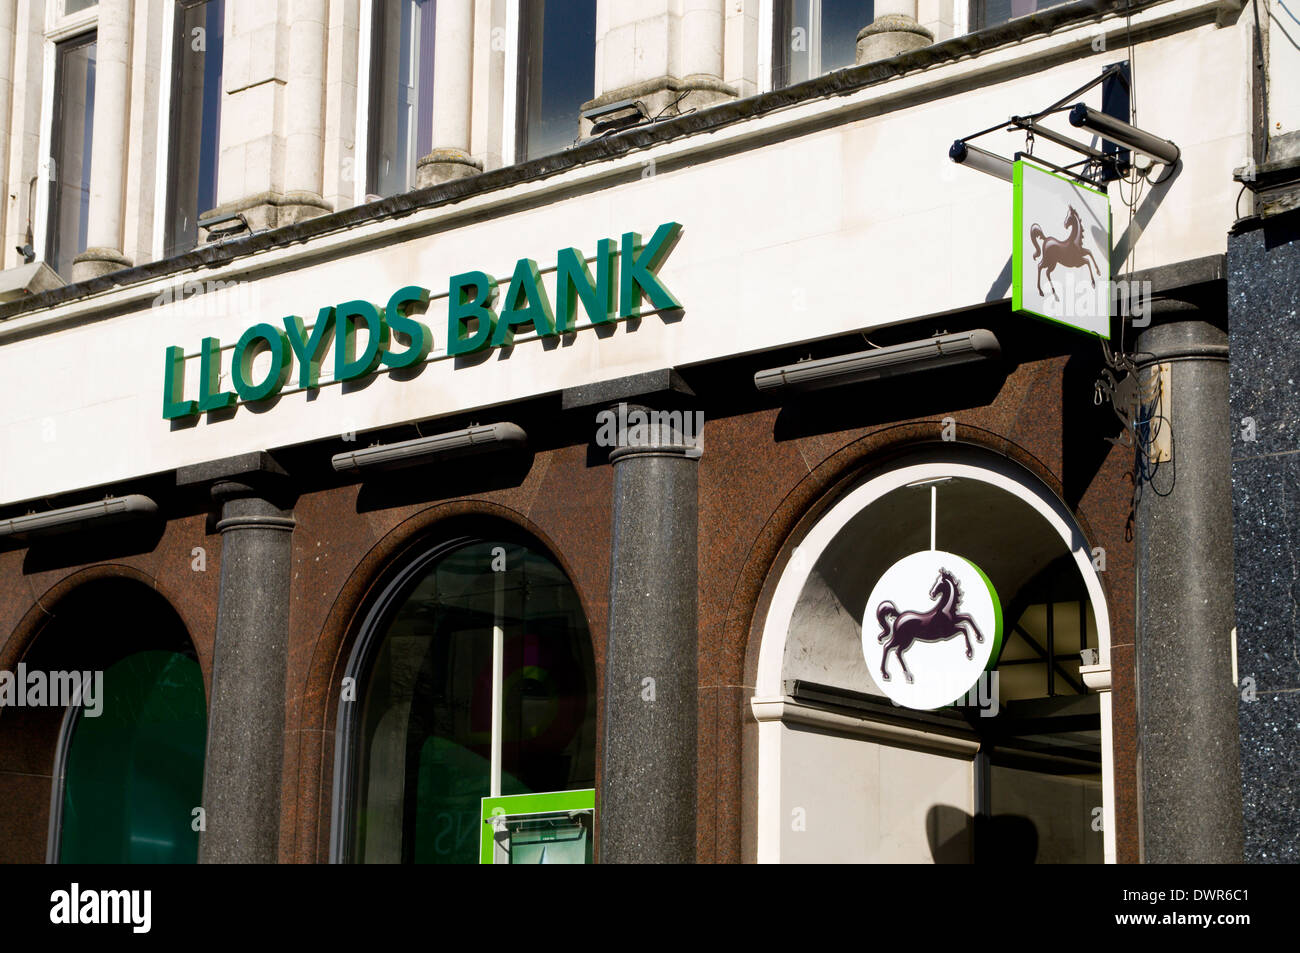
[933, 626]
[395, 338]
[1061, 252]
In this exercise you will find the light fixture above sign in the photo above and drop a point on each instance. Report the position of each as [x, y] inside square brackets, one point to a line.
[1122, 134]
[1097, 166]
[1061, 220]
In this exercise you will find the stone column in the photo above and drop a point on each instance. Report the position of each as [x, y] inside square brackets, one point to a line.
[894, 30]
[272, 113]
[305, 99]
[1189, 780]
[651, 678]
[242, 769]
[453, 76]
[108, 148]
[646, 806]
[701, 43]
[665, 53]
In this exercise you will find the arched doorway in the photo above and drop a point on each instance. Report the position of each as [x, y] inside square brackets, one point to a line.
[845, 774]
[474, 678]
[128, 762]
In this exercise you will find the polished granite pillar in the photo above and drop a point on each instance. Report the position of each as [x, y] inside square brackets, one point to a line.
[1188, 775]
[242, 767]
[646, 808]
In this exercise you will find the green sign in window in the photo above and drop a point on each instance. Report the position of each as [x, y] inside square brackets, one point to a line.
[551, 828]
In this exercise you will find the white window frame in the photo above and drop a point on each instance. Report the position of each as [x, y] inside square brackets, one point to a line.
[815, 38]
[766, 40]
[361, 148]
[57, 29]
[361, 143]
[511, 101]
[163, 150]
[961, 18]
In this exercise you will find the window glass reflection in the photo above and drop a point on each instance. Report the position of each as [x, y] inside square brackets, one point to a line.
[74, 111]
[557, 72]
[134, 772]
[194, 144]
[986, 13]
[401, 104]
[813, 37]
[426, 727]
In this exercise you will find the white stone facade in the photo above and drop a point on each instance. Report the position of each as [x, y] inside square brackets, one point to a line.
[296, 84]
[812, 216]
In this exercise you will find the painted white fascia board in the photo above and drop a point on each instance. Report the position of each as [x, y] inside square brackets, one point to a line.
[906, 87]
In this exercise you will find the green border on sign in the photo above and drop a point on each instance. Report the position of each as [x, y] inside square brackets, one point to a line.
[519, 805]
[1017, 257]
[996, 653]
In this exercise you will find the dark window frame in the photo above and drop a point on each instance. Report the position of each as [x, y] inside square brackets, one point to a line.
[392, 590]
[53, 240]
[529, 81]
[783, 21]
[978, 13]
[171, 243]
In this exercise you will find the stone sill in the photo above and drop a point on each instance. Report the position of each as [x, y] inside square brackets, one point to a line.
[1275, 182]
[838, 83]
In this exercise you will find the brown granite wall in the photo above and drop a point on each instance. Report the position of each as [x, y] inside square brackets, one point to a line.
[763, 473]
[33, 586]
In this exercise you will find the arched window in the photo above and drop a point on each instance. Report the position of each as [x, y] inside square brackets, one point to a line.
[1015, 770]
[128, 772]
[475, 678]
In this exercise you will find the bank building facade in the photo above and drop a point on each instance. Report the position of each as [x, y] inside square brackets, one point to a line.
[571, 431]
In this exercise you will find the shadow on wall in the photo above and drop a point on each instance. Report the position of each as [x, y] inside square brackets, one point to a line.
[1000, 839]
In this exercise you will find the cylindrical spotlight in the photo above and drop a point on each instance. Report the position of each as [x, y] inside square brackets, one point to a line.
[1122, 134]
[980, 160]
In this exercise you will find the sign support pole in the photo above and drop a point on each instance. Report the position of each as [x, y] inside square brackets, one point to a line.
[934, 511]
[498, 673]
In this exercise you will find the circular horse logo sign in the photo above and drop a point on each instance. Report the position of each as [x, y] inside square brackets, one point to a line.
[933, 624]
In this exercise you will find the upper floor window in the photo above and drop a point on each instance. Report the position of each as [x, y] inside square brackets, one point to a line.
[76, 6]
[193, 147]
[71, 135]
[813, 37]
[986, 13]
[401, 93]
[557, 73]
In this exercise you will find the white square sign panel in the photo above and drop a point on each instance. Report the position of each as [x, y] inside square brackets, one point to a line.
[1061, 254]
